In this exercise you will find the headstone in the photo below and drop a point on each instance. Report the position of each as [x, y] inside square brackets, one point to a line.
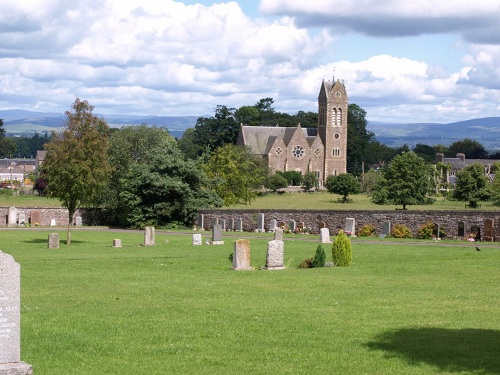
[278, 234]
[215, 221]
[54, 241]
[301, 225]
[53, 222]
[488, 230]
[78, 221]
[275, 255]
[21, 218]
[12, 218]
[292, 225]
[10, 318]
[230, 224]
[241, 255]
[386, 229]
[350, 226]
[272, 225]
[321, 225]
[201, 221]
[197, 241]
[239, 225]
[260, 223]
[149, 236]
[217, 235]
[437, 227]
[35, 217]
[461, 229]
[325, 235]
[223, 225]
[117, 242]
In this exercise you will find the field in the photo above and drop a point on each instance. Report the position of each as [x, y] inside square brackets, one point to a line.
[405, 307]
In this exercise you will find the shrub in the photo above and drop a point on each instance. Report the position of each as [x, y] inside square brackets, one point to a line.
[342, 250]
[319, 258]
[366, 230]
[401, 231]
[275, 182]
[429, 230]
[306, 263]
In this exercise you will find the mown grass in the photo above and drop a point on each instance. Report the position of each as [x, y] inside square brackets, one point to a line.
[401, 308]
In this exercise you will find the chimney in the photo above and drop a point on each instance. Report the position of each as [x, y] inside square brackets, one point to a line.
[439, 157]
[461, 156]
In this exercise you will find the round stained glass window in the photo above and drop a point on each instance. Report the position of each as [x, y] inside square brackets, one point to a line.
[298, 152]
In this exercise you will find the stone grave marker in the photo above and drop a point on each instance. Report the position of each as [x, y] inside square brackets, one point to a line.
[488, 230]
[35, 217]
[275, 255]
[350, 226]
[53, 241]
[292, 225]
[21, 218]
[217, 235]
[53, 222]
[325, 235]
[197, 240]
[230, 225]
[78, 221]
[10, 318]
[241, 256]
[278, 234]
[239, 225]
[215, 221]
[301, 225]
[117, 242]
[321, 225]
[260, 223]
[201, 221]
[12, 218]
[461, 229]
[272, 225]
[149, 236]
[386, 229]
[223, 225]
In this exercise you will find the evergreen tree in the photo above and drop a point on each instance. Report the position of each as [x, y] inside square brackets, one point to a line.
[342, 250]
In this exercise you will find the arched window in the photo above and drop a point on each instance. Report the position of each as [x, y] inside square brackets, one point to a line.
[336, 151]
[334, 116]
[338, 121]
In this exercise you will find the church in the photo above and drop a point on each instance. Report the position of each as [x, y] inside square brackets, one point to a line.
[322, 150]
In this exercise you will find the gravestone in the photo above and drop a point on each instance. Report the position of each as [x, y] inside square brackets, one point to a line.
[292, 225]
[54, 241]
[201, 221]
[217, 235]
[325, 235]
[230, 225]
[35, 217]
[241, 256]
[149, 236]
[321, 225]
[278, 234]
[197, 241]
[12, 218]
[275, 255]
[117, 242]
[461, 229]
[239, 225]
[350, 226]
[53, 222]
[10, 318]
[21, 218]
[260, 223]
[78, 221]
[386, 229]
[215, 221]
[272, 225]
[488, 230]
[223, 225]
[301, 225]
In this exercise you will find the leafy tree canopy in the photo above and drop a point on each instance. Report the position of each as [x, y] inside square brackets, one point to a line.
[471, 148]
[471, 185]
[343, 184]
[358, 138]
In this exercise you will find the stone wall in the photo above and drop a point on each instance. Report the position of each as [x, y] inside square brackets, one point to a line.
[335, 220]
[44, 215]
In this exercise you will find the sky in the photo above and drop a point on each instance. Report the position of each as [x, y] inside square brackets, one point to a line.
[402, 61]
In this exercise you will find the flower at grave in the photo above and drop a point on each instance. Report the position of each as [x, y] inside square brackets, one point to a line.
[37, 224]
[348, 233]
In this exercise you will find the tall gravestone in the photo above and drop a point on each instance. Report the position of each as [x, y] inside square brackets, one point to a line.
[223, 225]
[278, 234]
[78, 221]
[149, 236]
[35, 217]
[217, 235]
[239, 225]
[275, 255]
[292, 225]
[260, 223]
[241, 256]
[272, 225]
[201, 221]
[12, 218]
[386, 229]
[350, 226]
[325, 235]
[10, 318]
[21, 218]
[230, 225]
[53, 241]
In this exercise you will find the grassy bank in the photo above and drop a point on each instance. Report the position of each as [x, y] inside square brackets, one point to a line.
[401, 308]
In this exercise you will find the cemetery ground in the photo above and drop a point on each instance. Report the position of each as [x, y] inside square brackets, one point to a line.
[403, 307]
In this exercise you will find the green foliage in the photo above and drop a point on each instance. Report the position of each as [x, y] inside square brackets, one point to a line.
[76, 167]
[471, 185]
[401, 231]
[294, 178]
[27, 147]
[342, 250]
[366, 230]
[236, 173]
[343, 184]
[429, 230]
[426, 152]
[275, 182]
[187, 144]
[358, 138]
[471, 148]
[309, 181]
[407, 180]
[319, 258]
[7, 145]
[306, 263]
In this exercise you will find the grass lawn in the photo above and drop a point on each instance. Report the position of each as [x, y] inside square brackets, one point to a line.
[401, 308]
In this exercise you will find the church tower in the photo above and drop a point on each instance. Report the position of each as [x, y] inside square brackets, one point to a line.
[332, 127]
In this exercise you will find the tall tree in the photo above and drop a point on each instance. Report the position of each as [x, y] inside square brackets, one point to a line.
[358, 138]
[471, 185]
[7, 146]
[216, 131]
[76, 167]
[471, 148]
[343, 184]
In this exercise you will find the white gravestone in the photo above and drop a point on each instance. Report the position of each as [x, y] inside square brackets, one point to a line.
[275, 255]
[10, 318]
[197, 241]
[117, 242]
[325, 235]
[149, 236]
[53, 222]
[241, 256]
[12, 218]
[350, 226]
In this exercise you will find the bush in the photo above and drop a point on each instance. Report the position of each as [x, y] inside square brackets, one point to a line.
[306, 263]
[429, 230]
[366, 230]
[401, 231]
[294, 177]
[342, 250]
[275, 182]
[319, 258]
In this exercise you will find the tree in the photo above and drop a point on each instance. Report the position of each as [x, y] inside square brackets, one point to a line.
[343, 184]
[7, 146]
[358, 138]
[471, 185]
[407, 180]
[236, 172]
[309, 181]
[342, 250]
[471, 148]
[187, 144]
[426, 152]
[76, 166]
[275, 182]
[319, 257]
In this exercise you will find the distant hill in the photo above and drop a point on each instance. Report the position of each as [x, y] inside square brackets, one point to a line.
[484, 130]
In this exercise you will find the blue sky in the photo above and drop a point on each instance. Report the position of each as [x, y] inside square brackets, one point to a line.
[418, 61]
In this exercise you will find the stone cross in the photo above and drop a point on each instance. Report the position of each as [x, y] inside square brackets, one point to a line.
[10, 318]
[275, 255]
[325, 235]
[149, 236]
[241, 256]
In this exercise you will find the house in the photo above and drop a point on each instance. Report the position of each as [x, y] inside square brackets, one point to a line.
[459, 162]
[322, 150]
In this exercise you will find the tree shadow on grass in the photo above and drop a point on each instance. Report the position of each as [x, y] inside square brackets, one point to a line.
[450, 350]
[45, 241]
